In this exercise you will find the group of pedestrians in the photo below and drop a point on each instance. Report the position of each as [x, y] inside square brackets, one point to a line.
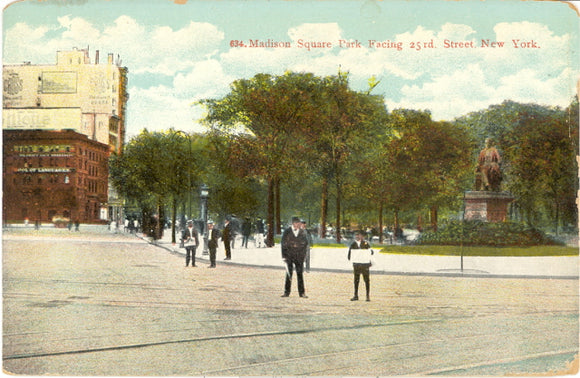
[295, 246]
[296, 242]
[190, 241]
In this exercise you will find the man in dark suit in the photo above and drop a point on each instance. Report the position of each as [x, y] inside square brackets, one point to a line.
[227, 237]
[190, 241]
[294, 247]
[212, 243]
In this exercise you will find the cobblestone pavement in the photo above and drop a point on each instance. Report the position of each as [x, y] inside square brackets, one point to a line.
[115, 305]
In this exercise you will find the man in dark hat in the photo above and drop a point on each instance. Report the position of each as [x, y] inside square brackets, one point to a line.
[294, 247]
[227, 236]
[212, 243]
[359, 253]
[190, 241]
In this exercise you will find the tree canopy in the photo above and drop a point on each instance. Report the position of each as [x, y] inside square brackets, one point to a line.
[286, 145]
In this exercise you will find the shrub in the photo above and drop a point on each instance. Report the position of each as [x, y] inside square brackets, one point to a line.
[478, 233]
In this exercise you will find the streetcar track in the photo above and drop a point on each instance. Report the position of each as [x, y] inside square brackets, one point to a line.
[119, 284]
[501, 361]
[216, 337]
[224, 371]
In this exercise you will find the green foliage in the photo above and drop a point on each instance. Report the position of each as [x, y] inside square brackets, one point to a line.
[157, 166]
[477, 233]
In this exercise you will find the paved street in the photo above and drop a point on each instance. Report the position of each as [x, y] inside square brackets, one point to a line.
[112, 304]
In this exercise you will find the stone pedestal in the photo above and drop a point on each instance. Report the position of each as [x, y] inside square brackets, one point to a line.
[487, 206]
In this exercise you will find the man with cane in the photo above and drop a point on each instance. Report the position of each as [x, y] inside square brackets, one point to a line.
[294, 247]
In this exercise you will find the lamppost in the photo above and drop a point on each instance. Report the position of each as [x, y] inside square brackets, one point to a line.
[204, 195]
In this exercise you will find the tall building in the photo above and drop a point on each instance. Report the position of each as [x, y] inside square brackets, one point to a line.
[83, 99]
[54, 174]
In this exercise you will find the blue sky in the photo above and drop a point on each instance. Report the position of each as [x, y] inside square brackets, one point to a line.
[180, 53]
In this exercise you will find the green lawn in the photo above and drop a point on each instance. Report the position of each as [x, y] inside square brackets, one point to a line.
[449, 250]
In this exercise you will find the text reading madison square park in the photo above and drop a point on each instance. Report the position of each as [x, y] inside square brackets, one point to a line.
[313, 45]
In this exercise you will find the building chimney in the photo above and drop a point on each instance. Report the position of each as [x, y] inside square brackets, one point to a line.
[97, 57]
[110, 59]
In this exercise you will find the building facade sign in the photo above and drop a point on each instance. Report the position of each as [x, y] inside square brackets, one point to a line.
[49, 148]
[44, 170]
[54, 119]
[59, 82]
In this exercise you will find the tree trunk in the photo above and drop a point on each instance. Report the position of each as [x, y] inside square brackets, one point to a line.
[324, 207]
[160, 220]
[381, 233]
[173, 219]
[434, 218]
[557, 217]
[396, 230]
[278, 211]
[270, 216]
[338, 199]
[146, 221]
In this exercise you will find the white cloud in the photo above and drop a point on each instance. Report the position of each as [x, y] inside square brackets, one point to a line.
[455, 32]
[469, 89]
[448, 95]
[329, 32]
[26, 43]
[206, 80]
[157, 108]
[527, 86]
[78, 30]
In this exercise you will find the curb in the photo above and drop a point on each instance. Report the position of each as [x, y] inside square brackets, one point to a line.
[450, 273]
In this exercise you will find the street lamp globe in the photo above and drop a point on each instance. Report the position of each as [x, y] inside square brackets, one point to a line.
[204, 191]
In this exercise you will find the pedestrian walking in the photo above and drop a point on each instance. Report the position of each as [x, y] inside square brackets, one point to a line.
[259, 236]
[190, 241]
[359, 253]
[226, 238]
[294, 246]
[246, 231]
[310, 241]
[212, 243]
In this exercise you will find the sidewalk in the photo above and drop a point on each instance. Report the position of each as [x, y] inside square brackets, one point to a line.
[335, 259]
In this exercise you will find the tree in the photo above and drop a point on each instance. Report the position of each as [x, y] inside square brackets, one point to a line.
[265, 118]
[418, 163]
[543, 161]
[348, 123]
[234, 188]
[155, 166]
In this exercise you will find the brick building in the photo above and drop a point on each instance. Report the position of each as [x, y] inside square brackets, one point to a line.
[51, 175]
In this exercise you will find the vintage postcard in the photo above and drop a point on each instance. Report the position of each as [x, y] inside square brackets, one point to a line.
[290, 187]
